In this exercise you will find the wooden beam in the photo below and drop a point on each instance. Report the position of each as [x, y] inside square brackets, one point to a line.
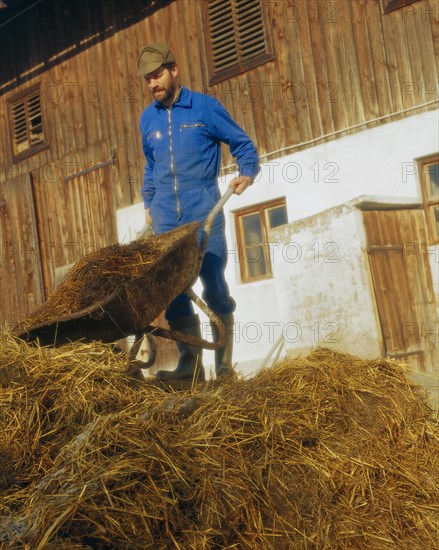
[88, 170]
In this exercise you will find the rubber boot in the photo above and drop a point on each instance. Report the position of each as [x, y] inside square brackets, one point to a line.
[190, 365]
[223, 356]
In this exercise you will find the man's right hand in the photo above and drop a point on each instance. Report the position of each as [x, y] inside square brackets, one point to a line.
[240, 184]
[148, 218]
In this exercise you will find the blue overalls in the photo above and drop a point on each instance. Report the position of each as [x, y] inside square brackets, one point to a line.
[182, 147]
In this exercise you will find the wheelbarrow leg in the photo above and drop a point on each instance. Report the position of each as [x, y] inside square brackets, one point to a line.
[135, 365]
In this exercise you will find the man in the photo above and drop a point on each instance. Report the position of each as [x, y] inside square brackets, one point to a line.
[182, 133]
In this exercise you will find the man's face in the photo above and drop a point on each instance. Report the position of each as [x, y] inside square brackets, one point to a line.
[163, 84]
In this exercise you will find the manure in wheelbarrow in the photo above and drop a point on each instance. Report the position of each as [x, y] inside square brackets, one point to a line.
[96, 276]
[127, 287]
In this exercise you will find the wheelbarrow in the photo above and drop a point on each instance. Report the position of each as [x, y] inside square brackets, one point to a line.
[129, 310]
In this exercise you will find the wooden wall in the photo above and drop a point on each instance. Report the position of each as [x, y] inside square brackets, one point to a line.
[337, 64]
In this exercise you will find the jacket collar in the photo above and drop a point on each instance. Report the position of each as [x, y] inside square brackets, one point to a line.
[184, 99]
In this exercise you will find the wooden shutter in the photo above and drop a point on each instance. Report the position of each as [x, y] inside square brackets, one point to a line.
[237, 38]
[27, 136]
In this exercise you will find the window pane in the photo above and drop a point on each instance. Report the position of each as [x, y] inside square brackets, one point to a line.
[254, 255]
[434, 213]
[252, 228]
[433, 178]
[277, 216]
[254, 250]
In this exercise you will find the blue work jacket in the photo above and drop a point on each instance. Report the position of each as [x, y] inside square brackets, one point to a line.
[182, 147]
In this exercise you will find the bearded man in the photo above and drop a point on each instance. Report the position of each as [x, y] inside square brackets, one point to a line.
[182, 132]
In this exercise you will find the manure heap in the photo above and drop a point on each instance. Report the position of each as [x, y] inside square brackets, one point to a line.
[323, 452]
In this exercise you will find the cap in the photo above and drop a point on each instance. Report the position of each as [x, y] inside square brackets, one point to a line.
[152, 56]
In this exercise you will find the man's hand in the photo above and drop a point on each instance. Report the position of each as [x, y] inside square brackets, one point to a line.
[148, 218]
[240, 184]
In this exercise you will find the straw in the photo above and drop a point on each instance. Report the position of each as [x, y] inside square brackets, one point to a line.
[328, 451]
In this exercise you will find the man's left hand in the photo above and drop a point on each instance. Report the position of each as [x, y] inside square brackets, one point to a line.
[240, 184]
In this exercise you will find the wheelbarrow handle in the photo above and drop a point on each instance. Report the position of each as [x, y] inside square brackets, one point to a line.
[216, 209]
[209, 220]
[146, 229]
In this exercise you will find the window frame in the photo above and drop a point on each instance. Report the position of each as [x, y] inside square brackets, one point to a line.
[242, 65]
[238, 215]
[393, 5]
[24, 97]
[427, 201]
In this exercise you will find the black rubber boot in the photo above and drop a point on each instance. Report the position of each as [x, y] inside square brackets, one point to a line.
[223, 356]
[190, 365]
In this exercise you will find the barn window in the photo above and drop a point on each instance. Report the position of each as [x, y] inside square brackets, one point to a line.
[252, 228]
[27, 136]
[429, 179]
[392, 5]
[237, 39]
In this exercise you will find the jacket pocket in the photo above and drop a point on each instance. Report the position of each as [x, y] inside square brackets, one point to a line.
[154, 135]
[191, 125]
[157, 142]
[193, 137]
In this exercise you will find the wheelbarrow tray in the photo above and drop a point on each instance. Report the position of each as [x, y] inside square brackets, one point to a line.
[131, 307]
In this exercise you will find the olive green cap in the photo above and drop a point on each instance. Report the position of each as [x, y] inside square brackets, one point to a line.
[153, 56]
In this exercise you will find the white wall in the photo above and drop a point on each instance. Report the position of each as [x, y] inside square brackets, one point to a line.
[326, 298]
[379, 161]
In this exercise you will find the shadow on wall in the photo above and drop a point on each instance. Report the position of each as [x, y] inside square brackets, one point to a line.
[72, 30]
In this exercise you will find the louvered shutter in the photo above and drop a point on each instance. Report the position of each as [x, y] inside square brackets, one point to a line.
[34, 119]
[20, 138]
[237, 37]
[26, 124]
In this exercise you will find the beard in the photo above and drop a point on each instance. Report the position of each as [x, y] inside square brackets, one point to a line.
[162, 95]
[165, 93]
[165, 87]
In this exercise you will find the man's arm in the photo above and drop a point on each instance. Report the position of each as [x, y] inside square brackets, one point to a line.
[241, 147]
